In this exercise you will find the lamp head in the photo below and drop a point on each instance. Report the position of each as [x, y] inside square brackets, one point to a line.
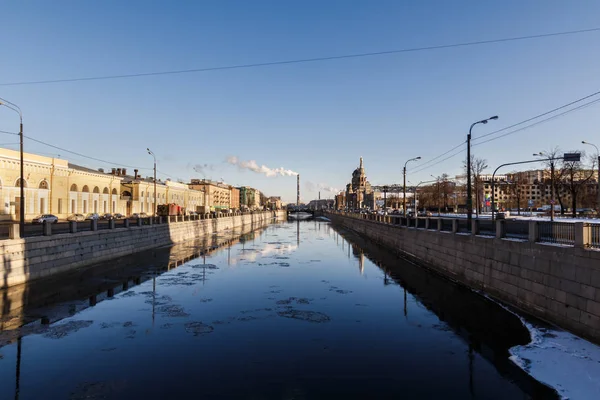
[418, 158]
[494, 117]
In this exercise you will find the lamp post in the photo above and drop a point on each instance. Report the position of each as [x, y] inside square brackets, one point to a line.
[153, 156]
[404, 185]
[16, 109]
[469, 190]
[598, 177]
[551, 159]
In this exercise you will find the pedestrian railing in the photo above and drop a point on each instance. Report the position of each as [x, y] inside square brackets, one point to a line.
[578, 234]
[487, 227]
[517, 230]
[11, 231]
[595, 236]
[556, 232]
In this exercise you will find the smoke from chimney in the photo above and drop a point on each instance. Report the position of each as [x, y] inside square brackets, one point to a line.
[262, 169]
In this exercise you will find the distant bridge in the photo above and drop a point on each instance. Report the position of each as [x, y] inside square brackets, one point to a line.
[395, 188]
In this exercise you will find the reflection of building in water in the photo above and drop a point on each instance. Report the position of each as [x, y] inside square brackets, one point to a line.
[360, 256]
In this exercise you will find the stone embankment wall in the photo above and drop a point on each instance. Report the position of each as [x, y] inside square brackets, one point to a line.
[557, 283]
[27, 259]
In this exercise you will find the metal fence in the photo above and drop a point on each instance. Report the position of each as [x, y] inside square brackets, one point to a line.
[595, 242]
[487, 227]
[556, 232]
[517, 230]
[421, 223]
[463, 225]
[446, 224]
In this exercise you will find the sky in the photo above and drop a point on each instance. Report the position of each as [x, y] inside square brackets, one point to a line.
[316, 118]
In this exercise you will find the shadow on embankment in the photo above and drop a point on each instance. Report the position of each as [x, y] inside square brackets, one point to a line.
[486, 327]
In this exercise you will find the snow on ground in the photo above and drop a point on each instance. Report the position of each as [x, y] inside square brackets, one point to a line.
[561, 360]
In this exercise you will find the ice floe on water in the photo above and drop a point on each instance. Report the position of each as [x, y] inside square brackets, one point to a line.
[559, 359]
[562, 360]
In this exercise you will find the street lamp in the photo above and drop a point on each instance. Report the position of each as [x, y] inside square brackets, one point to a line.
[153, 156]
[469, 190]
[404, 186]
[17, 109]
[551, 159]
[598, 178]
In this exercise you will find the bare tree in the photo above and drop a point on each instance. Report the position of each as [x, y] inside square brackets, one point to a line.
[514, 184]
[478, 165]
[574, 177]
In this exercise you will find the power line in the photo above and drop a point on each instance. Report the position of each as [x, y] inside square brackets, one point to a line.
[418, 168]
[539, 122]
[539, 115]
[304, 60]
[440, 161]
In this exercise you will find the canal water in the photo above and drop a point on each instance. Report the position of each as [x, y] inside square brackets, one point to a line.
[298, 310]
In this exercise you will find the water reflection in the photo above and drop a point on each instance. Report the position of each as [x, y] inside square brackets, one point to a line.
[334, 318]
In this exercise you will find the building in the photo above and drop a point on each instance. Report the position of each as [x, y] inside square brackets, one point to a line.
[321, 204]
[359, 193]
[340, 201]
[54, 186]
[217, 195]
[235, 197]
[249, 198]
[274, 203]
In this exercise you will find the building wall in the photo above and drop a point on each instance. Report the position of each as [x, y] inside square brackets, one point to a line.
[559, 284]
[235, 198]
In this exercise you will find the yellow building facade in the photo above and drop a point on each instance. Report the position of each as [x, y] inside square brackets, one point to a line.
[55, 186]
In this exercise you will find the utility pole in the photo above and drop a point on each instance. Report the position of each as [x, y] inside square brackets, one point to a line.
[469, 189]
[17, 109]
[153, 156]
[404, 185]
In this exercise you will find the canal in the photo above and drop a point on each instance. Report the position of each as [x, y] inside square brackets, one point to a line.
[297, 310]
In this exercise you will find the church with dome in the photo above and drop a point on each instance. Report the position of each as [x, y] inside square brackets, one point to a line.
[359, 193]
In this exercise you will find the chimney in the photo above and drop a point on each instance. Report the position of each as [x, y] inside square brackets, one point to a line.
[298, 190]
[124, 171]
[101, 170]
[135, 175]
[114, 171]
[119, 171]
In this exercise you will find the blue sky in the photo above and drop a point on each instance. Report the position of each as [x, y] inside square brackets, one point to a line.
[314, 118]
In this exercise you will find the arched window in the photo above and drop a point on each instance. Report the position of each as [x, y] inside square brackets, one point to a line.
[126, 194]
[142, 194]
[96, 189]
[43, 185]
[73, 188]
[18, 183]
[114, 191]
[85, 189]
[105, 191]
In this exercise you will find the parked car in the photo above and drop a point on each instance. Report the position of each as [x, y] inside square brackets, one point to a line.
[118, 216]
[139, 215]
[40, 219]
[76, 217]
[107, 216]
[92, 216]
[425, 214]
[194, 213]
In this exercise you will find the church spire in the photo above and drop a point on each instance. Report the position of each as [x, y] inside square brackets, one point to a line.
[361, 163]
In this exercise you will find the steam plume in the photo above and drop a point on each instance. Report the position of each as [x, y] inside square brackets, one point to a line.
[262, 169]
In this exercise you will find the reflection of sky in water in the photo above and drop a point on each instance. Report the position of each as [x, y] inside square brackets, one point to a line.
[319, 323]
[252, 254]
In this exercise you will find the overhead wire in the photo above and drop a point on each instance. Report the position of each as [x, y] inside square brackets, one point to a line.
[303, 60]
[538, 116]
[539, 122]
